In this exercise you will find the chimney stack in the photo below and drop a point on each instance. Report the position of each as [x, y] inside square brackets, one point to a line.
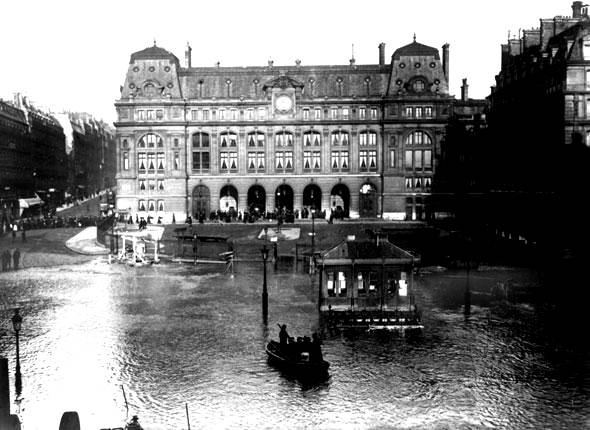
[577, 9]
[382, 54]
[464, 90]
[188, 55]
[445, 61]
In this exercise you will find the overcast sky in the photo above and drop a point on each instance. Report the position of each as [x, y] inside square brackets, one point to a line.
[74, 54]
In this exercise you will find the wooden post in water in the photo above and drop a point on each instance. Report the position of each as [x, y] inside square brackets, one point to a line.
[264, 287]
[467, 298]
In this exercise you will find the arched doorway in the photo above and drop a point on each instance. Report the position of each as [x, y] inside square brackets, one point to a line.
[228, 198]
[368, 200]
[256, 200]
[284, 197]
[340, 201]
[312, 197]
[201, 199]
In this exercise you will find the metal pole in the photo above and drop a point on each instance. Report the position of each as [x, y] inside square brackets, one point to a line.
[17, 375]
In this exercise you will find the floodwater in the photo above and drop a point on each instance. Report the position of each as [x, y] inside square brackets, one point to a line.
[170, 338]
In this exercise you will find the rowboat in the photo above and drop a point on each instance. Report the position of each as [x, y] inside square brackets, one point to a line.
[296, 361]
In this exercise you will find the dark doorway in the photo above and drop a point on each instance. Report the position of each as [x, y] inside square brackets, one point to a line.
[312, 197]
[284, 197]
[256, 200]
[340, 201]
[368, 201]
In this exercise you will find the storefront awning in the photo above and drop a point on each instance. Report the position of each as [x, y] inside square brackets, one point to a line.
[32, 201]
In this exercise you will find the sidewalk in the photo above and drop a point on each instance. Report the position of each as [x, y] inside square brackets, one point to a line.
[85, 243]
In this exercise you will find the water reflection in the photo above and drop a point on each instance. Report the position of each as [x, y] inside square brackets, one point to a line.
[174, 335]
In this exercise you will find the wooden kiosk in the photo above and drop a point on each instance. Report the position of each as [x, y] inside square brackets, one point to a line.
[368, 284]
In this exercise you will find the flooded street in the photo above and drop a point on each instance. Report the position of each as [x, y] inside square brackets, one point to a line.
[173, 335]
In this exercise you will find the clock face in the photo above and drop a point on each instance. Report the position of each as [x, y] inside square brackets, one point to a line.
[283, 103]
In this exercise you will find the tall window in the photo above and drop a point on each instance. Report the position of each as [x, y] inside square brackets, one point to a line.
[418, 159]
[392, 158]
[373, 113]
[362, 113]
[367, 160]
[367, 138]
[161, 161]
[284, 161]
[256, 158]
[201, 148]
[334, 113]
[228, 161]
[312, 138]
[339, 161]
[317, 114]
[256, 161]
[125, 161]
[176, 160]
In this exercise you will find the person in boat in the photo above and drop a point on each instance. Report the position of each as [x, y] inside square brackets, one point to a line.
[315, 353]
[134, 424]
[283, 335]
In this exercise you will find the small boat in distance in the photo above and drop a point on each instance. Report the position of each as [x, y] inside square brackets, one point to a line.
[297, 359]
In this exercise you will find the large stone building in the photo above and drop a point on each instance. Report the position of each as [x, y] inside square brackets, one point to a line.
[528, 169]
[47, 159]
[360, 139]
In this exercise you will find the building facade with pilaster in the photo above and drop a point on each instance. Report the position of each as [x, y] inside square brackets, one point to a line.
[356, 140]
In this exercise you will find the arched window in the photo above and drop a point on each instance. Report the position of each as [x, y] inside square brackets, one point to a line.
[340, 138]
[150, 140]
[283, 138]
[228, 139]
[418, 138]
[256, 139]
[367, 138]
[312, 138]
[149, 89]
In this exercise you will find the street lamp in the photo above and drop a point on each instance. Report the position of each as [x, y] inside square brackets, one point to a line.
[195, 248]
[312, 230]
[264, 288]
[17, 321]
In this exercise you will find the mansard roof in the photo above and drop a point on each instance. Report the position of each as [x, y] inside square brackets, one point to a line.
[153, 53]
[416, 49]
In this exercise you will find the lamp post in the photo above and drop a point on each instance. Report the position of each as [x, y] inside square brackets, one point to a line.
[17, 321]
[264, 288]
[195, 249]
[312, 230]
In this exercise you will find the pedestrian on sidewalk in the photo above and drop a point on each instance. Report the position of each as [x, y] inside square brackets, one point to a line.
[6, 258]
[14, 230]
[16, 258]
[23, 235]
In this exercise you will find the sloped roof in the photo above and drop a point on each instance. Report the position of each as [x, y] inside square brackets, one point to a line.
[152, 53]
[415, 49]
[366, 250]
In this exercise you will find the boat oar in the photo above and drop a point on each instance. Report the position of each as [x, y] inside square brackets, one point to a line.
[187, 420]
[126, 404]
